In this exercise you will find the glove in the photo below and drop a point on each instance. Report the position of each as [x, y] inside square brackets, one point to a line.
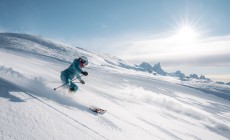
[83, 82]
[84, 73]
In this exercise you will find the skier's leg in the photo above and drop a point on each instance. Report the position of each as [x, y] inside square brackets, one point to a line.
[73, 87]
[65, 79]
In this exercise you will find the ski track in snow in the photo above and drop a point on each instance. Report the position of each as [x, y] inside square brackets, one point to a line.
[139, 106]
[44, 105]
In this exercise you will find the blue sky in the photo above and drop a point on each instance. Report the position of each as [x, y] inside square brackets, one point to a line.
[90, 18]
[191, 35]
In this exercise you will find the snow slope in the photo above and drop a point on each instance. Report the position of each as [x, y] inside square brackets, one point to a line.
[57, 50]
[140, 105]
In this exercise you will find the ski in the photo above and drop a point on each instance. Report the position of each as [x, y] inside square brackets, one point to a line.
[97, 110]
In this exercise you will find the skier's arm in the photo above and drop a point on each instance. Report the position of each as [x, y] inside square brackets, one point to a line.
[77, 68]
[79, 78]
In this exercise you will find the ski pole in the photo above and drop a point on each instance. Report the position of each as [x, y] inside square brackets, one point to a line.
[67, 83]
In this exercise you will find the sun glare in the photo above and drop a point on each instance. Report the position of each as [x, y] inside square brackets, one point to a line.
[186, 33]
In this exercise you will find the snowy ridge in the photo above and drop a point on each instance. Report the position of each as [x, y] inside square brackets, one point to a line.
[57, 50]
[139, 105]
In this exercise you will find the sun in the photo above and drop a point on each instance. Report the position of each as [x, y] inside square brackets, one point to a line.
[186, 33]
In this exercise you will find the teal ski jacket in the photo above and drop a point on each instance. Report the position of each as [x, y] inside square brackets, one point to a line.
[73, 70]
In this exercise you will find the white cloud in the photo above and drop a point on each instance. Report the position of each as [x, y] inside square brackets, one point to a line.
[220, 77]
[210, 51]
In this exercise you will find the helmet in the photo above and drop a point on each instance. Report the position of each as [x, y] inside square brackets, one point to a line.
[84, 60]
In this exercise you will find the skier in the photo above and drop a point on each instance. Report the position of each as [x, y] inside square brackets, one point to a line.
[74, 70]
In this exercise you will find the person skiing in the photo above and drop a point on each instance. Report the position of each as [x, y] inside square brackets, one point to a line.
[74, 70]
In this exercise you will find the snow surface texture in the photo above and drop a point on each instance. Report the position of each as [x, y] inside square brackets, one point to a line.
[139, 105]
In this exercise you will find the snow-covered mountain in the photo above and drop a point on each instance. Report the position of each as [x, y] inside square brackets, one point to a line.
[157, 69]
[178, 74]
[57, 50]
[139, 105]
[146, 67]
